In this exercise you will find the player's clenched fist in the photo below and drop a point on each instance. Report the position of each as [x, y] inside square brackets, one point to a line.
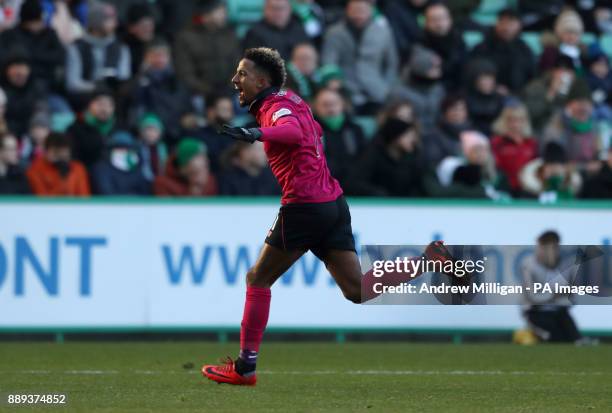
[249, 135]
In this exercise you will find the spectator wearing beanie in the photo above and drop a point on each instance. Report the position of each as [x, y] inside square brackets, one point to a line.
[206, 52]
[574, 127]
[24, 95]
[140, 31]
[484, 102]
[550, 177]
[90, 132]
[513, 144]
[32, 145]
[421, 84]
[392, 166]
[153, 150]
[98, 58]
[120, 172]
[56, 173]
[44, 50]
[187, 172]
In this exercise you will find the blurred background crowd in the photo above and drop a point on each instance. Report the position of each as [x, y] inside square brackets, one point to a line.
[493, 99]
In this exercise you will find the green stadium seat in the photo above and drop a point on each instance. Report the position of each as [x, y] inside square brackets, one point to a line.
[245, 11]
[368, 124]
[60, 122]
[606, 43]
[486, 19]
[492, 6]
[533, 41]
[588, 38]
[242, 29]
[242, 120]
[471, 39]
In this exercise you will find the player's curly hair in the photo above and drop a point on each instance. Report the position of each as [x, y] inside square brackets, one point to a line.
[270, 61]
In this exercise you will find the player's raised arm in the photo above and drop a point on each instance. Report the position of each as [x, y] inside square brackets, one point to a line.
[286, 130]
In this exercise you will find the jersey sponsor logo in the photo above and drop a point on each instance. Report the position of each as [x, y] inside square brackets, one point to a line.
[282, 92]
[280, 113]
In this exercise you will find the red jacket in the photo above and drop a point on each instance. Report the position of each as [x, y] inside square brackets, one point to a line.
[511, 157]
[173, 184]
[45, 179]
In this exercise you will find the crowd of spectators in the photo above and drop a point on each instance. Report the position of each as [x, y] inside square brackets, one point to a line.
[126, 98]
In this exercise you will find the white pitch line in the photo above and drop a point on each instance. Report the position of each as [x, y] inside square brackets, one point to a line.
[330, 372]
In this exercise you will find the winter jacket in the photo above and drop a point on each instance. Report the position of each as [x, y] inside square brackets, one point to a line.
[369, 61]
[163, 94]
[45, 51]
[377, 174]
[108, 180]
[343, 147]
[14, 182]
[206, 59]
[514, 60]
[173, 184]
[236, 181]
[91, 60]
[283, 40]
[511, 157]
[46, 180]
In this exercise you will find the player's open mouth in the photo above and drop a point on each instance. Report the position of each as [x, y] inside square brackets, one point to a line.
[240, 91]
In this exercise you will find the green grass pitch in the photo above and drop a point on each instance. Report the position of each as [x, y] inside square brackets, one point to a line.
[306, 377]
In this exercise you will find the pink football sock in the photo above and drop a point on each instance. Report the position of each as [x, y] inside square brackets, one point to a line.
[255, 317]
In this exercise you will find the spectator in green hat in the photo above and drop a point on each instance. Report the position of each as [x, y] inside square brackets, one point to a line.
[153, 150]
[187, 172]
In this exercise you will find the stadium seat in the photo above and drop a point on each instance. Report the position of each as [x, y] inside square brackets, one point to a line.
[244, 11]
[492, 6]
[61, 121]
[486, 19]
[533, 41]
[368, 124]
[472, 38]
[242, 29]
[606, 43]
[588, 38]
[242, 120]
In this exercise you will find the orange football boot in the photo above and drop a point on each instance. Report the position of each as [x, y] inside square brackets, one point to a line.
[226, 373]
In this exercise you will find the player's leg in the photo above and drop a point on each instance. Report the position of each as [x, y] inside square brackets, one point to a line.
[271, 264]
[337, 251]
[345, 267]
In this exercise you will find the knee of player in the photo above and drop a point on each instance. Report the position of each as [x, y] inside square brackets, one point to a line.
[253, 278]
[353, 296]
